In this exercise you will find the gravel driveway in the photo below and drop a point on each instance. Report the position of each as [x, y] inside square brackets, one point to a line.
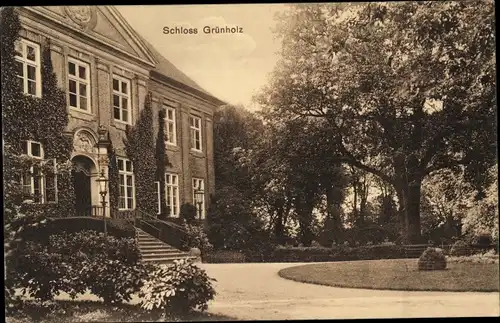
[256, 292]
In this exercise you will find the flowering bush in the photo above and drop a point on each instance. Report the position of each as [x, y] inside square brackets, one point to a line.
[177, 288]
[432, 259]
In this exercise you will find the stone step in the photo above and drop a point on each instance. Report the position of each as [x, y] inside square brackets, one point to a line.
[167, 260]
[147, 238]
[149, 243]
[156, 247]
[164, 255]
[155, 250]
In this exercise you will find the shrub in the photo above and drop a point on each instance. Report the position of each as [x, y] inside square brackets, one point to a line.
[482, 239]
[188, 212]
[119, 228]
[261, 250]
[460, 248]
[178, 288]
[112, 280]
[224, 257]
[231, 223]
[74, 262]
[196, 238]
[432, 259]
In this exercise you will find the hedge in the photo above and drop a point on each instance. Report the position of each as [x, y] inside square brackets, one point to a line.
[223, 257]
[311, 254]
[319, 254]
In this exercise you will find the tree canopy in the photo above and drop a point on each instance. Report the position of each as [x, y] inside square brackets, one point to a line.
[406, 88]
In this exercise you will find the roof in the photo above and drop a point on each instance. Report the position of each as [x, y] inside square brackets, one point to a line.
[168, 70]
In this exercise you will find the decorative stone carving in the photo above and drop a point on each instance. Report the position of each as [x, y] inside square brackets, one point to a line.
[84, 142]
[103, 160]
[78, 168]
[83, 16]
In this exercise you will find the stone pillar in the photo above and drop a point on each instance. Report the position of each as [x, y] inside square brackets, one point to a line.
[103, 95]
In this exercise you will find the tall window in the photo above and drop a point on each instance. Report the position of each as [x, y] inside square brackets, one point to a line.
[28, 67]
[41, 187]
[121, 99]
[127, 189]
[79, 85]
[172, 192]
[170, 126]
[195, 123]
[199, 199]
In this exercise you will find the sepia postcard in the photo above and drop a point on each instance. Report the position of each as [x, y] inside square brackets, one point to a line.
[233, 162]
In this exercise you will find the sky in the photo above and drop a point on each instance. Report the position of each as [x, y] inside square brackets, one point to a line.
[232, 67]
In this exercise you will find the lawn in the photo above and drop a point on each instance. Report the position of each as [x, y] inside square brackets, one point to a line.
[398, 274]
[95, 311]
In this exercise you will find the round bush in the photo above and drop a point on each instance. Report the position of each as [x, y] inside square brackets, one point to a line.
[179, 288]
[432, 259]
[459, 248]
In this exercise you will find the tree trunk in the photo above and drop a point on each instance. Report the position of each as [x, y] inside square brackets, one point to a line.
[279, 228]
[363, 201]
[355, 201]
[408, 190]
[304, 211]
[333, 207]
[412, 211]
[401, 214]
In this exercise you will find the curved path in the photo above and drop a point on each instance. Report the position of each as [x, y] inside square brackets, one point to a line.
[256, 292]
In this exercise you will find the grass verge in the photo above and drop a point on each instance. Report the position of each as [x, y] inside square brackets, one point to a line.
[398, 274]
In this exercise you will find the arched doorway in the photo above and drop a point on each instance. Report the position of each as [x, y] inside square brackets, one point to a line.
[83, 169]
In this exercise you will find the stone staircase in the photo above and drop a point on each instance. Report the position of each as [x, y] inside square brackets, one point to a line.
[157, 251]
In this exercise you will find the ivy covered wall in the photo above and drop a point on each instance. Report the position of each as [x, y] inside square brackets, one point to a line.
[140, 149]
[43, 119]
[161, 162]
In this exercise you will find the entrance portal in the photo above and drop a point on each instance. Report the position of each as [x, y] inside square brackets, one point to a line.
[83, 167]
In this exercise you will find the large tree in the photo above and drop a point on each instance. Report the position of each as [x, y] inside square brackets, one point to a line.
[235, 129]
[407, 88]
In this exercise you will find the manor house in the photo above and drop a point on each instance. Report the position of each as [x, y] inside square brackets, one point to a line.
[106, 70]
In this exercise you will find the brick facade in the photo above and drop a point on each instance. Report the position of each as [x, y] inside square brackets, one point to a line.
[100, 37]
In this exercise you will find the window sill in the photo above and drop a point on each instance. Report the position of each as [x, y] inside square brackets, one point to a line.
[197, 153]
[120, 124]
[171, 147]
[81, 114]
[36, 96]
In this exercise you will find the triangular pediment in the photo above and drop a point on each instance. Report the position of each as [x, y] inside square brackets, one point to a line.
[103, 24]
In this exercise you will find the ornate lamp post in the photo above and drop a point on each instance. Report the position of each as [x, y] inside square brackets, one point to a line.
[103, 184]
[199, 194]
[102, 180]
